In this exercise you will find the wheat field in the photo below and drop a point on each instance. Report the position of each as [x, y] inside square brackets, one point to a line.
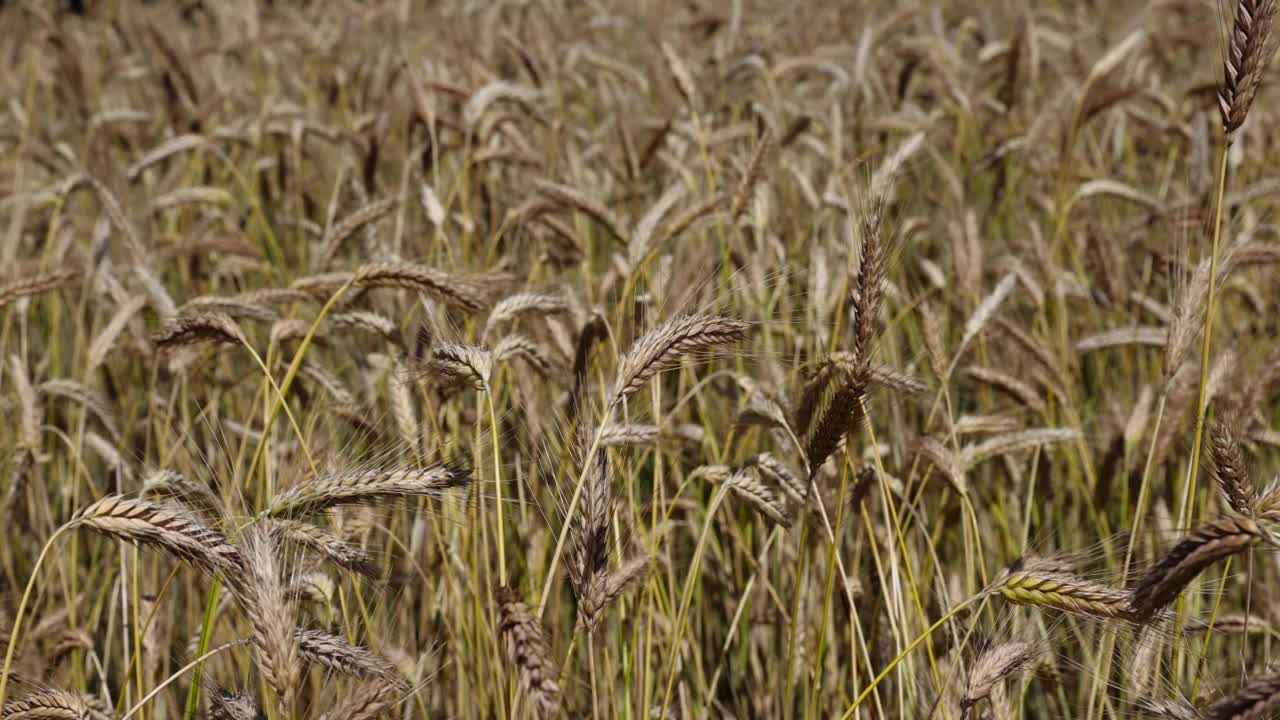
[702, 359]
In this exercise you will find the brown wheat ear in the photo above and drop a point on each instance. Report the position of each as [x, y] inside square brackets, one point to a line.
[1192, 553]
[186, 330]
[528, 652]
[1230, 468]
[589, 533]
[464, 293]
[228, 705]
[26, 287]
[338, 551]
[1250, 49]
[334, 652]
[1259, 700]
[843, 412]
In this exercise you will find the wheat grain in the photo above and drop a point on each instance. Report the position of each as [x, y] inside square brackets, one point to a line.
[528, 652]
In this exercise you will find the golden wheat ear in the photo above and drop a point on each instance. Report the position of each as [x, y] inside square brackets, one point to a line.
[167, 528]
[1050, 584]
[666, 345]
[363, 487]
[52, 704]
[318, 647]
[273, 615]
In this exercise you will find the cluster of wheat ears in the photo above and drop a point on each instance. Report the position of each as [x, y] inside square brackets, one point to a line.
[545, 359]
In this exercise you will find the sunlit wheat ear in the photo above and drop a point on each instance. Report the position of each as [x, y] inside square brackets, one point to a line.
[1049, 586]
[1230, 467]
[1259, 700]
[172, 484]
[994, 666]
[465, 293]
[29, 286]
[272, 614]
[528, 652]
[30, 408]
[525, 303]
[228, 705]
[628, 575]
[51, 704]
[105, 341]
[1251, 46]
[166, 528]
[1267, 505]
[318, 647]
[780, 475]
[747, 484]
[367, 702]
[1192, 553]
[450, 363]
[1184, 326]
[1171, 709]
[359, 487]
[335, 549]
[519, 347]
[630, 435]
[663, 348]
[187, 330]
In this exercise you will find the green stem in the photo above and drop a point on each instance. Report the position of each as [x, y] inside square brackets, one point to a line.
[206, 633]
[181, 671]
[907, 651]
[497, 486]
[1189, 491]
[22, 608]
[1184, 517]
[687, 595]
[568, 523]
